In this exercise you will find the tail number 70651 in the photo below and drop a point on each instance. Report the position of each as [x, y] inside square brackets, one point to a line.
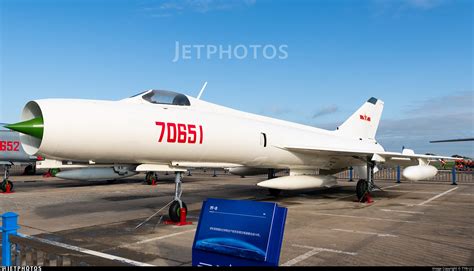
[180, 133]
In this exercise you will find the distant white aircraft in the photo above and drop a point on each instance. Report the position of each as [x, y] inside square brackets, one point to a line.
[160, 130]
[12, 153]
[453, 140]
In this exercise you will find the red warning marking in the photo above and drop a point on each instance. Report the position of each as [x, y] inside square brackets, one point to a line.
[182, 219]
[364, 117]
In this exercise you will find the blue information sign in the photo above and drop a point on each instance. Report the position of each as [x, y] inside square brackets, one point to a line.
[239, 233]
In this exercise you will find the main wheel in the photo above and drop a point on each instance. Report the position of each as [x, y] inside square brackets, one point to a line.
[30, 170]
[274, 192]
[150, 178]
[6, 185]
[174, 212]
[361, 188]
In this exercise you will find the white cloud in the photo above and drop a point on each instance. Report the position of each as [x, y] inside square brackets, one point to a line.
[166, 8]
[326, 111]
[424, 4]
[396, 8]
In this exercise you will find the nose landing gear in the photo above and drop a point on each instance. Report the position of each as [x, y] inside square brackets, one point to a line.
[151, 178]
[178, 209]
[6, 186]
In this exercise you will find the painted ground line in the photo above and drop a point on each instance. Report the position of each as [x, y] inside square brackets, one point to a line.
[327, 250]
[413, 191]
[150, 240]
[391, 220]
[395, 185]
[400, 211]
[313, 251]
[301, 257]
[439, 195]
[366, 232]
[427, 192]
[158, 238]
[366, 217]
[87, 251]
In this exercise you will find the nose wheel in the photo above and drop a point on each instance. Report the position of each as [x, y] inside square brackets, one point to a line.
[6, 186]
[178, 209]
[175, 210]
[151, 178]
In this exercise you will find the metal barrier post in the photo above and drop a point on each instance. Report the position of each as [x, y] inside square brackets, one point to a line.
[9, 226]
[350, 174]
[398, 174]
[453, 175]
[215, 175]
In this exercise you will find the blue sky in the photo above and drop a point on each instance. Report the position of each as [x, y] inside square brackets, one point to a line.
[416, 55]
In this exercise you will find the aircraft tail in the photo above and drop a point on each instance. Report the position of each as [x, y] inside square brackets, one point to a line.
[364, 122]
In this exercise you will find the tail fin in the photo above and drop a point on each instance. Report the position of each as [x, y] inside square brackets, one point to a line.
[364, 122]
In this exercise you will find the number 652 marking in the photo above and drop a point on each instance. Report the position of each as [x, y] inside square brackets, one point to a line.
[180, 133]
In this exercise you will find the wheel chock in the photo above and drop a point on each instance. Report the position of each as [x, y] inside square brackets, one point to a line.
[47, 175]
[368, 198]
[182, 219]
[8, 189]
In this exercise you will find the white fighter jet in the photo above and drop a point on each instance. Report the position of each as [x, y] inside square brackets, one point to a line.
[159, 130]
[12, 153]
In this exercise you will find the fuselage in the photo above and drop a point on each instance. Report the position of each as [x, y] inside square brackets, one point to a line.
[134, 131]
[11, 150]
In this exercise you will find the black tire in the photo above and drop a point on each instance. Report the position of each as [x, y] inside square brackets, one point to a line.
[174, 211]
[30, 170]
[274, 192]
[361, 189]
[3, 185]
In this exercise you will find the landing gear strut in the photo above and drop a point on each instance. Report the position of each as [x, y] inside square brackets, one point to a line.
[177, 207]
[6, 186]
[364, 187]
[271, 175]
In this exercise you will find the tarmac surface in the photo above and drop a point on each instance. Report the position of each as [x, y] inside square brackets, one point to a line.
[418, 223]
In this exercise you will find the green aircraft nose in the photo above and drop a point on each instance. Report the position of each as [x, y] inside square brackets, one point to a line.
[32, 127]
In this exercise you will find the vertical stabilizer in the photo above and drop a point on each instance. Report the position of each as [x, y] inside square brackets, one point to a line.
[364, 122]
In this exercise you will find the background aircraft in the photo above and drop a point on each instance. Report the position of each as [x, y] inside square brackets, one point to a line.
[12, 153]
[453, 140]
[160, 130]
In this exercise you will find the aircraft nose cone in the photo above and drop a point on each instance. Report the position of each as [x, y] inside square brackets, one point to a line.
[32, 127]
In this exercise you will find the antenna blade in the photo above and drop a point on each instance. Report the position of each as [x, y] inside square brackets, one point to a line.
[202, 90]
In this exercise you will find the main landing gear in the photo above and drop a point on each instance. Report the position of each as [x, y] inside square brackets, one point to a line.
[151, 178]
[365, 186]
[6, 186]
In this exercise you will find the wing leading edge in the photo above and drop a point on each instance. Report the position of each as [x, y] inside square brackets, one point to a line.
[375, 156]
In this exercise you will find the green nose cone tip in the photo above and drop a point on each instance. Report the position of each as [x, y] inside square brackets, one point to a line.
[32, 127]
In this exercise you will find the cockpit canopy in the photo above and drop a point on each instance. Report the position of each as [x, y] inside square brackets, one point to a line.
[165, 97]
